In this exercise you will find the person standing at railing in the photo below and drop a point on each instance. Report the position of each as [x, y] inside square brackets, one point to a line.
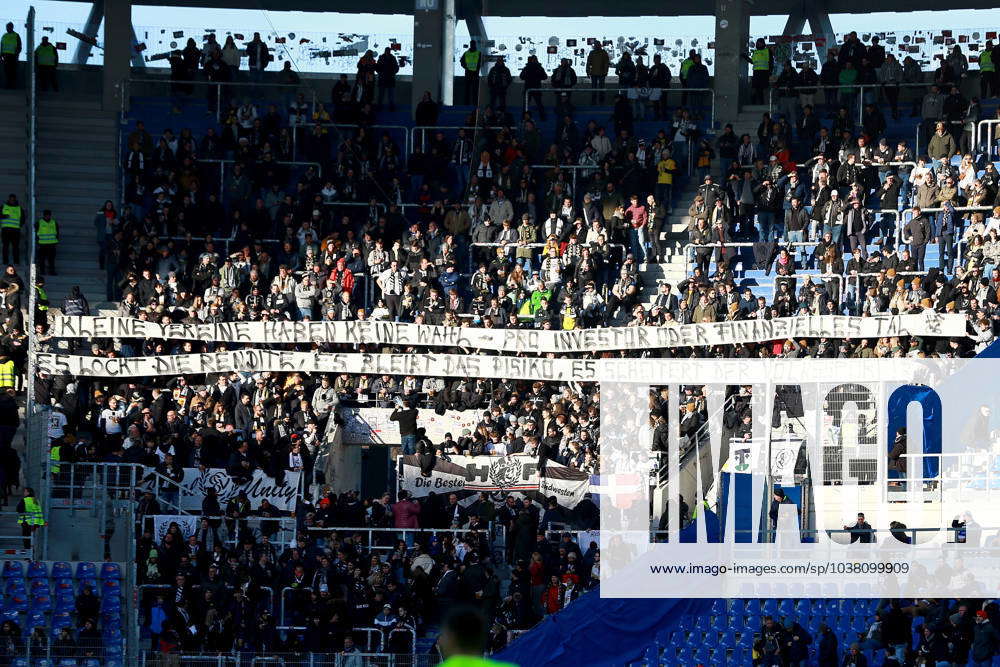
[387, 68]
[30, 515]
[259, 56]
[762, 61]
[890, 75]
[218, 72]
[987, 71]
[499, 80]
[471, 61]
[10, 51]
[47, 61]
[564, 80]
[598, 64]
[638, 219]
[948, 221]
[917, 234]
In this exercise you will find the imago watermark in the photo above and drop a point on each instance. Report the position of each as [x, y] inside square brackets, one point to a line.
[801, 478]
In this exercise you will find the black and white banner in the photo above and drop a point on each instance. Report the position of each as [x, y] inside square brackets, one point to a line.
[367, 426]
[260, 487]
[648, 370]
[498, 475]
[517, 340]
[188, 524]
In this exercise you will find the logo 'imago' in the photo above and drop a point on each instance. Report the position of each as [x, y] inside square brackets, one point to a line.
[505, 472]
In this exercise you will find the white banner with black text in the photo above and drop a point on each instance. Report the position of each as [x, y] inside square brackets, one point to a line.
[516, 340]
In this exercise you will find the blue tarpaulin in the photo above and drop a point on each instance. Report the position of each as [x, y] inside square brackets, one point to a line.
[596, 631]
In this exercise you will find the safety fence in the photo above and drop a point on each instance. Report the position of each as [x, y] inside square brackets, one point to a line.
[685, 96]
[388, 539]
[50, 649]
[216, 92]
[848, 94]
[336, 657]
[691, 248]
[400, 134]
[450, 131]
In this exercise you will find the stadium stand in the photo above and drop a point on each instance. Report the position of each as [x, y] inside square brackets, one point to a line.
[268, 204]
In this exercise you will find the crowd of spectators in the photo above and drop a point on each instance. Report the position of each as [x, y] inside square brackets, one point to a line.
[464, 230]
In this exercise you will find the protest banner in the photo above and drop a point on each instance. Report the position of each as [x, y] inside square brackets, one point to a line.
[259, 487]
[466, 476]
[650, 370]
[366, 426]
[530, 341]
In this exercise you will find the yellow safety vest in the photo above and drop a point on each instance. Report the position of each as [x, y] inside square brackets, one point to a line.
[42, 296]
[47, 232]
[471, 61]
[761, 60]
[55, 457]
[8, 43]
[46, 54]
[7, 374]
[32, 513]
[685, 66]
[10, 217]
[986, 62]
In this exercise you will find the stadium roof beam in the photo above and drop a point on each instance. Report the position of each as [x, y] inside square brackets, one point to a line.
[83, 48]
[581, 8]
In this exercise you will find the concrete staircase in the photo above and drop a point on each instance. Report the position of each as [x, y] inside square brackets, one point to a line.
[13, 153]
[77, 158]
[672, 239]
[748, 120]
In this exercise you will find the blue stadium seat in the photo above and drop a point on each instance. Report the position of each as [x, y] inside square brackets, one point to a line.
[60, 620]
[38, 570]
[68, 662]
[38, 586]
[41, 603]
[13, 568]
[35, 620]
[738, 607]
[719, 607]
[111, 587]
[18, 602]
[8, 613]
[15, 585]
[85, 570]
[62, 570]
[111, 571]
[64, 604]
[91, 662]
[770, 607]
[19, 662]
[63, 584]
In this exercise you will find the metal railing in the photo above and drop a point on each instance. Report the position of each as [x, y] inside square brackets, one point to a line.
[960, 473]
[392, 535]
[901, 218]
[613, 89]
[424, 128]
[516, 245]
[128, 85]
[404, 130]
[284, 163]
[690, 248]
[977, 134]
[857, 89]
[335, 657]
[234, 531]
[35, 428]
